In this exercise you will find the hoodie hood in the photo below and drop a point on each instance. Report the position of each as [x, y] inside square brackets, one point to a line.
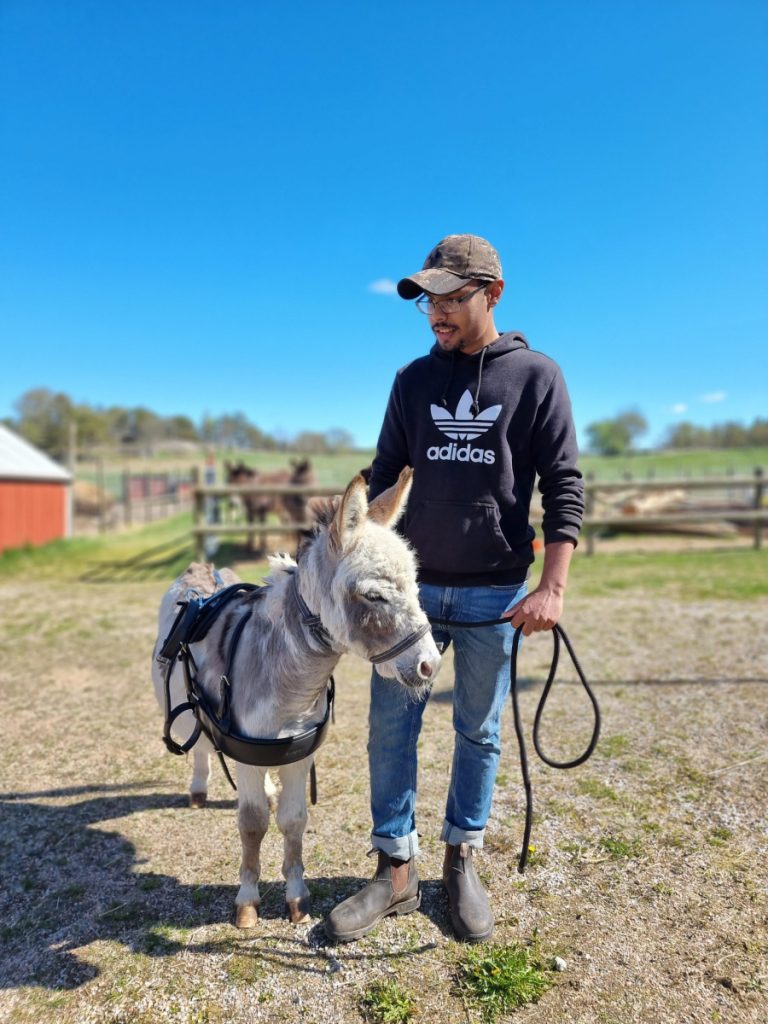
[506, 342]
[474, 363]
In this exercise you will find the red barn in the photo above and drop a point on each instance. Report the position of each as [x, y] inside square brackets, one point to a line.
[35, 494]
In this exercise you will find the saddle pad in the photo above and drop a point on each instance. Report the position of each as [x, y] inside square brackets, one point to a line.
[197, 614]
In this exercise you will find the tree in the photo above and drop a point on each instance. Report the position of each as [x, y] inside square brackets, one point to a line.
[310, 441]
[722, 435]
[337, 439]
[91, 426]
[685, 435]
[758, 432]
[180, 428]
[43, 419]
[616, 436]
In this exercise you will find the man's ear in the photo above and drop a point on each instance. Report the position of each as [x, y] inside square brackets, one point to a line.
[350, 515]
[493, 293]
[387, 507]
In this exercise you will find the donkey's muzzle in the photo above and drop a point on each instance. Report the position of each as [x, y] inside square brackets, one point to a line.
[420, 669]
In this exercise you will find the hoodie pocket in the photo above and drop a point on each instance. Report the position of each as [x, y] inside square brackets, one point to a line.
[457, 536]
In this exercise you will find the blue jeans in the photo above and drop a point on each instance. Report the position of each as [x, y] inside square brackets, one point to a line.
[481, 686]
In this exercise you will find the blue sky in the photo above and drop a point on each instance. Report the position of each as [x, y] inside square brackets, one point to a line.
[197, 199]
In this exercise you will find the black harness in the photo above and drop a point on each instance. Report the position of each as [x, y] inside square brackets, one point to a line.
[195, 618]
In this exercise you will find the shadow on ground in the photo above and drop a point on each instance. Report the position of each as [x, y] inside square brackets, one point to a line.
[69, 883]
[167, 561]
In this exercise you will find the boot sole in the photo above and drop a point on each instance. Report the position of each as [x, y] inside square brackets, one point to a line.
[406, 907]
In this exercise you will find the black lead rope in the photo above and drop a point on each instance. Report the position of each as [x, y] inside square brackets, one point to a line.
[558, 633]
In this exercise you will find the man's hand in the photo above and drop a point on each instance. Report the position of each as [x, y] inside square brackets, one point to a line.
[542, 608]
[538, 610]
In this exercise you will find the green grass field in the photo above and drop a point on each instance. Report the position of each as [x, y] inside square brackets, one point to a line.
[337, 469]
[340, 468]
[736, 575]
[162, 550]
[671, 464]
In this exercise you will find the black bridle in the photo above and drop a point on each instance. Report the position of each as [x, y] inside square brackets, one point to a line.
[315, 626]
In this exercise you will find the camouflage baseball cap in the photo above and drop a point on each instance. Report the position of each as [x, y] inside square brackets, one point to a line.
[453, 262]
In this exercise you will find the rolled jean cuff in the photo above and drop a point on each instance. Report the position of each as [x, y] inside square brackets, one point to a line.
[400, 847]
[456, 836]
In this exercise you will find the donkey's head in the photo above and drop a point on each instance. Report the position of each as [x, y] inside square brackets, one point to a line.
[364, 582]
[239, 473]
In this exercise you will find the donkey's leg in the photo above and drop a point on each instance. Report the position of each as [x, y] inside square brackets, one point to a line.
[253, 820]
[271, 790]
[292, 820]
[201, 772]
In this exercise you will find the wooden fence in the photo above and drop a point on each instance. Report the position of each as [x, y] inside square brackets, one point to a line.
[110, 498]
[210, 517]
[747, 509]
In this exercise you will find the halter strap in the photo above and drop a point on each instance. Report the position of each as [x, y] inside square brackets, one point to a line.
[409, 641]
[312, 622]
[315, 626]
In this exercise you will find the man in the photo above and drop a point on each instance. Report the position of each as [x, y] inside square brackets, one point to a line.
[477, 418]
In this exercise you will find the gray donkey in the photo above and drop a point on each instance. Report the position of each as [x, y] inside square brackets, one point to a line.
[358, 577]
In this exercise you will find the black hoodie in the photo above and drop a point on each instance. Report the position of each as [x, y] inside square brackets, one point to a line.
[477, 429]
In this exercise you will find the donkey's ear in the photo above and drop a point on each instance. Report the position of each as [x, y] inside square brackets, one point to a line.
[388, 506]
[350, 514]
[322, 510]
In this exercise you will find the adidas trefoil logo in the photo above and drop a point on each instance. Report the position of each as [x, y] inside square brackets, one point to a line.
[464, 426]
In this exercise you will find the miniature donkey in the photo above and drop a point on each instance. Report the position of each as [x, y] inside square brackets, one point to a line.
[359, 577]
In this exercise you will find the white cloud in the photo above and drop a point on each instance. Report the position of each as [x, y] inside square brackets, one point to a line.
[713, 396]
[384, 286]
[679, 408]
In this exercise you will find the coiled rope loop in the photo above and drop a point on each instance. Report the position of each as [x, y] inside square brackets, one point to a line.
[558, 633]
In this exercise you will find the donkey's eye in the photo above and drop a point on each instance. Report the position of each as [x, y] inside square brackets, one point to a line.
[374, 595]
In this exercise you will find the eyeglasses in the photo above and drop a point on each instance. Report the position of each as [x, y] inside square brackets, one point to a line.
[428, 305]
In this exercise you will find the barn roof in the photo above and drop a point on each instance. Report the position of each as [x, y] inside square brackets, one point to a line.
[19, 460]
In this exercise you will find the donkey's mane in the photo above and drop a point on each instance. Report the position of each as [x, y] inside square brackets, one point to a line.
[280, 564]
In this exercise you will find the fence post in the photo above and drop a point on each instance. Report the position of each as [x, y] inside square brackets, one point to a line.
[759, 489]
[211, 505]
[589, 509]
[127, 510]
[102, 496]
[198, 514]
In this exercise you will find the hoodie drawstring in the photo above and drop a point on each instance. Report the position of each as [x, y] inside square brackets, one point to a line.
[476, 403]
[446, 389]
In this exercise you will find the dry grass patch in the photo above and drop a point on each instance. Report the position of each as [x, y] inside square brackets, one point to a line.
[647, 875]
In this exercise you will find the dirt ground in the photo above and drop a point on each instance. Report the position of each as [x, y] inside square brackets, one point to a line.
[649, 876]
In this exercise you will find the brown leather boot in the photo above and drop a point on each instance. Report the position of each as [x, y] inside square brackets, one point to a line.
[394, 889]
[471, 914]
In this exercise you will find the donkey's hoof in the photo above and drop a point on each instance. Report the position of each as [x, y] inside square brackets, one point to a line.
[197, 800]
[246, 915]
[298, 910]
